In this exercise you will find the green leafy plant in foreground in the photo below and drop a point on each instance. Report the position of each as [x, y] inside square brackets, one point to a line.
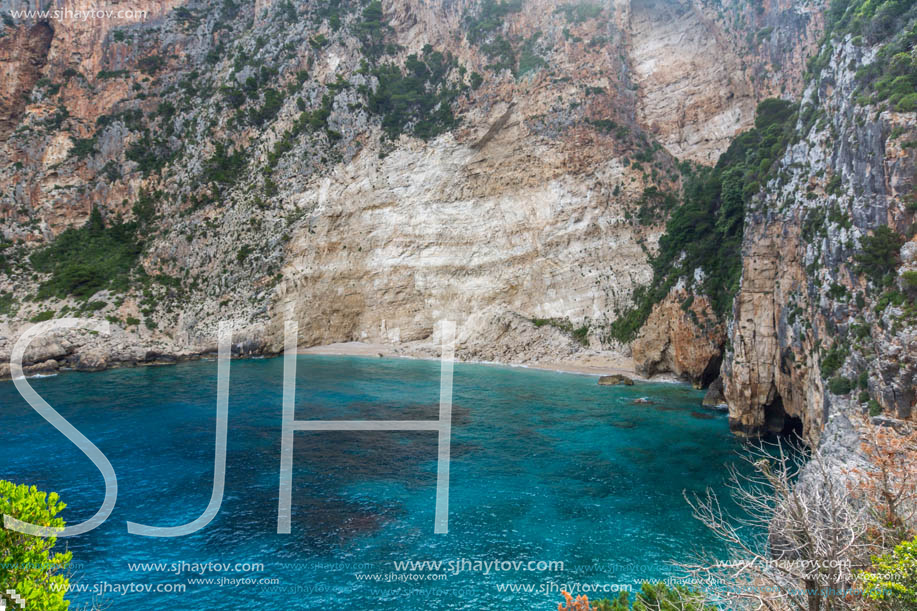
[27, 563]
[892, 580]
[655, 597]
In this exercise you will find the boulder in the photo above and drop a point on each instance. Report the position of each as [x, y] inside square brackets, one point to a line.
[615, 380]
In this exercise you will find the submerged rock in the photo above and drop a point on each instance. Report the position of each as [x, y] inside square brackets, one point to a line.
[615, 380]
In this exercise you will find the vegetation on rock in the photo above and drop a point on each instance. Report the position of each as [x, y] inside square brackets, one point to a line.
[891, 581]
[89, 259]
[705, 232]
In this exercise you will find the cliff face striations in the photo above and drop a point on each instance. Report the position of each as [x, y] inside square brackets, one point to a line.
[268, 165]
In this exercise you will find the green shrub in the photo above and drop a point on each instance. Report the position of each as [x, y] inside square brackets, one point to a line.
[892, 580]
[144, 208]
[910, 279]
[83, 147]
[150, 154]
[7, 303]
[419, 98]
[874, 408]
[224, 168]
[907, 103]
[476, 80]
[151, 64]
[833, 360]
[273, 102]
[840, 385]
[879, 255]
[529, 59]
[490, 18]
[89, 259]
[578, 13]
[107, 74]
[28, 564]
[42, 316]
[243, 253]
[372, 30]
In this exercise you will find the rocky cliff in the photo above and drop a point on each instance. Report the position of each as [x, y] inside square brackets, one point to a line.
[367, 168]
[824, 322]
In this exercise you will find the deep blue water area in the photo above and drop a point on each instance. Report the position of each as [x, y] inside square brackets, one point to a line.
[546, 467]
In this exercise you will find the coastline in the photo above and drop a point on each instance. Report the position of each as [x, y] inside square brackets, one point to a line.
[594, 364]
[591, 365]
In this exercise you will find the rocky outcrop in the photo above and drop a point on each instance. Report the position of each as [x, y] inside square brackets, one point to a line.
[681, 336]
[75, 350]
[23, 55]
[812, 336]
[714, 397]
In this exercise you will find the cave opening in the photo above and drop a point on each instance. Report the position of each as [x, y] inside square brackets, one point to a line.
[712, 370]
[778, 422]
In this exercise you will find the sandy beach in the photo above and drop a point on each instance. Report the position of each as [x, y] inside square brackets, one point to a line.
[596, 364]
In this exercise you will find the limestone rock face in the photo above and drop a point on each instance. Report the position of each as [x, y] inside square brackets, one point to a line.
[447, 231]
[23, 55]
[685, 341]
[701, 78]
[525, 210]
[805, 320]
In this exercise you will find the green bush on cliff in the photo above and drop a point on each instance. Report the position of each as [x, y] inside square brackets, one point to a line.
[150, 154]
[418, 99]
[224, 168]
[840, 385]
[878, 256]
[833, 360]
[579, 13]
[28, 564]
[372, 30]
[705, 231]
[892, 76]
[490, 18]
[89, 259]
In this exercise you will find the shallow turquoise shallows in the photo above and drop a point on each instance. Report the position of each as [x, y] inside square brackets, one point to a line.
[546, 467]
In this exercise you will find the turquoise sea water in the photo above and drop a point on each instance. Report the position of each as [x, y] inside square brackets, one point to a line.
[545, 467]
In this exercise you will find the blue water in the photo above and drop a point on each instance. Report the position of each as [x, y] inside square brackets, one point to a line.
[545, 467]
